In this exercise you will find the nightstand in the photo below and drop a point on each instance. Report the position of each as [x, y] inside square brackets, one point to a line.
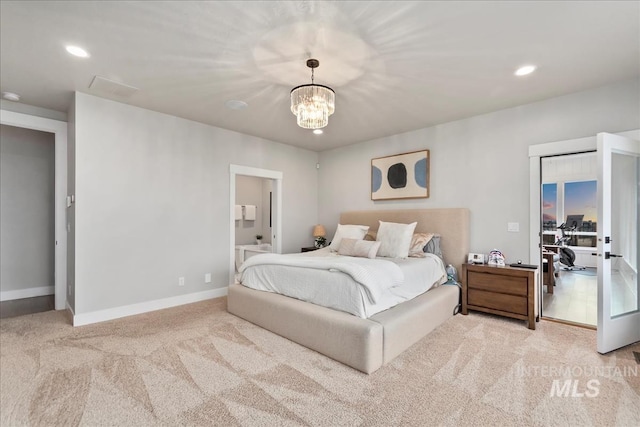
[505, 291]
[308, 249]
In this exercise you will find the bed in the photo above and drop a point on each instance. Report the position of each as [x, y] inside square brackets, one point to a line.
[365, 344]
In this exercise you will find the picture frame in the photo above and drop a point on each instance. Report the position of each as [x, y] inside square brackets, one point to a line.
[400, 176]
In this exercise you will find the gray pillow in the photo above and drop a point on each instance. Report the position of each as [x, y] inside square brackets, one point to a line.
[433, 246]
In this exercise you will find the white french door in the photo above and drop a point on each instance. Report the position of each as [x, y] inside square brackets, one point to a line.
[618, 237]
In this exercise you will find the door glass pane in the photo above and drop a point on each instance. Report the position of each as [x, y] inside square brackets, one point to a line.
[625, 188]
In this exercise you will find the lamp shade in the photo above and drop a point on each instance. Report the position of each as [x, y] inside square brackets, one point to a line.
[319, 231]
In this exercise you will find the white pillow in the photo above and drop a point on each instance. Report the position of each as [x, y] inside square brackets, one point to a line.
[358, 248]
[395, 239]
[349, 232]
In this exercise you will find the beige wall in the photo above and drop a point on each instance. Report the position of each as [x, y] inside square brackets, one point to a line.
[152, 195]
[480, 162]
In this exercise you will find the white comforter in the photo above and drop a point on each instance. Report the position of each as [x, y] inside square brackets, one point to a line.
[337, 290]
[375, 275]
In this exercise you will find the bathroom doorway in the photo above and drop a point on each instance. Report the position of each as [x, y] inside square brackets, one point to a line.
[253, 217]
[255, 206]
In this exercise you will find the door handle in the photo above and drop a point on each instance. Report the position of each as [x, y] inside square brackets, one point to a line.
[608, 255]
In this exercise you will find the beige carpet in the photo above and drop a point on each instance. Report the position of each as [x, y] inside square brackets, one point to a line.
[198, 365]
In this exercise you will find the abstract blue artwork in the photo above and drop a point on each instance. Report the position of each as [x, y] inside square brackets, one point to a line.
[401, 176]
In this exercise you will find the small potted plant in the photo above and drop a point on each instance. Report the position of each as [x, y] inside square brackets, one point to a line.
[259, 239]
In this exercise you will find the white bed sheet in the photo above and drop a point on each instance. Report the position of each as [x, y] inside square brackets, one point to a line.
[338, 290]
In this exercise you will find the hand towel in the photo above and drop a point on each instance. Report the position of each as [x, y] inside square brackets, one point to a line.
[250, 212]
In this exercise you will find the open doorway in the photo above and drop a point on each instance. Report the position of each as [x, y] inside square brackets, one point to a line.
[253, 217]
[536, 155]
[27, 221]
[569, 238]
[255, 212]
[59, 130]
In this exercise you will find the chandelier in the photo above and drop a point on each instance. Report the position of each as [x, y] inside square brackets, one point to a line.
[312, 104]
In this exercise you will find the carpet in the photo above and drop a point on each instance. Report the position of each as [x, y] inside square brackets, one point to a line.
[198, 365]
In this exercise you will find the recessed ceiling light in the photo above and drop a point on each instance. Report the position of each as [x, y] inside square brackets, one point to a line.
[10, 96]
[524, 70]
[234, 104]
[77, 51]
[318, 131]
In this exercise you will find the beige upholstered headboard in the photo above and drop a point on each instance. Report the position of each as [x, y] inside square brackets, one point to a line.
[451, 223]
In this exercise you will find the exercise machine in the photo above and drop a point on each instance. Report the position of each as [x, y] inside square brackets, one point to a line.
[567, 255]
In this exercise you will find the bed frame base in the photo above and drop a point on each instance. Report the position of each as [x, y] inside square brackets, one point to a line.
[363, 344]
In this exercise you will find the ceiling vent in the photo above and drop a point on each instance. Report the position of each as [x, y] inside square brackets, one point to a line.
[105, 86]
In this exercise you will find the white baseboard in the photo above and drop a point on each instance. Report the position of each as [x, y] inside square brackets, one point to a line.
[27, 293]
[145, 307]
[68, 307]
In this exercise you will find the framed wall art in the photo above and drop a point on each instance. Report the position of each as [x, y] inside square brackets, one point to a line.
[401, 176]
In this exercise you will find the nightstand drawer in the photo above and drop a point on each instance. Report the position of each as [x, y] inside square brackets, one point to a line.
[504, 291]
[497, 301]
[497, 283]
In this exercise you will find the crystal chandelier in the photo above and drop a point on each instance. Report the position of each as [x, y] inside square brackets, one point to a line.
[312, 104]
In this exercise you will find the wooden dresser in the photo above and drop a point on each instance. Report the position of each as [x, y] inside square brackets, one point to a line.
[505, 291]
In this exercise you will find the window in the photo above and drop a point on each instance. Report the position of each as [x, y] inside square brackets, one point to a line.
[580, 198]
[575, 205]
[581, 206]
[549, 206]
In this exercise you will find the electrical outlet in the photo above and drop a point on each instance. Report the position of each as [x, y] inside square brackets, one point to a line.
[513, 227]
[181, 281]
[207, 278]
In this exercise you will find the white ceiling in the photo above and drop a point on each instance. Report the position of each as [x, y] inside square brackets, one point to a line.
[395, 66]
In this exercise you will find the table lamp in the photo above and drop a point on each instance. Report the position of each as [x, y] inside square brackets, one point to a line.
[319, 232]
